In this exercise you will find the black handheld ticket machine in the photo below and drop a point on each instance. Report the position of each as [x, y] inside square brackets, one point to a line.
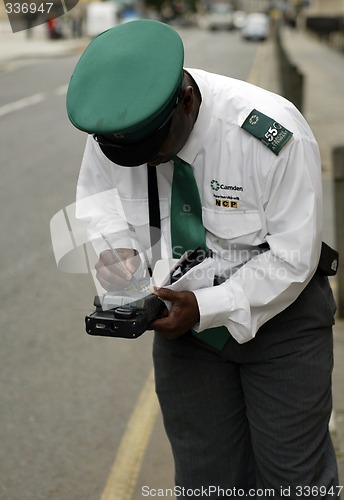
[127, 314]
[116, 317]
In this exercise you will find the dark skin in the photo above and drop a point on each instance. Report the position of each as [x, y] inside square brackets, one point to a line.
[184, 313]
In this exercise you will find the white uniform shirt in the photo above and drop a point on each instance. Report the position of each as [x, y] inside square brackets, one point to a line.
[249, 196]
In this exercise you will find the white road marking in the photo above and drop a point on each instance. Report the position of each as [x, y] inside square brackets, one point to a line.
[31, 100]
[62, 90]
[22, 103]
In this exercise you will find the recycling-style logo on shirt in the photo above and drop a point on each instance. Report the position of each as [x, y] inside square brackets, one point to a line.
[254, 119]
[215, 185]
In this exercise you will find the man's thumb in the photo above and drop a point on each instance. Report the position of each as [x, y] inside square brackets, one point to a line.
[165, 294]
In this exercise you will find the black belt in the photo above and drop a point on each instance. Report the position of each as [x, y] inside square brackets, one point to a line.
[328, 261]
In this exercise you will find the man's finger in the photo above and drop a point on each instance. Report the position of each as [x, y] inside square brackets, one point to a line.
[132, 262]
[111, 283]
[166, 294]
[106, 258]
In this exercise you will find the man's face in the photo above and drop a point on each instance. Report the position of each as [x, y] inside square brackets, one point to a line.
[182, 123]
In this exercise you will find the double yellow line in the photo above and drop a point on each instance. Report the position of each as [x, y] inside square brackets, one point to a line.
[122, 480]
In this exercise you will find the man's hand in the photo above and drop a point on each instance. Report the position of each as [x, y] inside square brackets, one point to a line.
[183, 315]
[116, 274]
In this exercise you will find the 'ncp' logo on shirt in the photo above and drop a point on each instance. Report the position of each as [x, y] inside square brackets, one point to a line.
[226, 203]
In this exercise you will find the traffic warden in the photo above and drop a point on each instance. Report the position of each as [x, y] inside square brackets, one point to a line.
[243, 366]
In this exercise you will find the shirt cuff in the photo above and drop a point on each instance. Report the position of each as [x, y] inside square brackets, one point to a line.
[213, 306]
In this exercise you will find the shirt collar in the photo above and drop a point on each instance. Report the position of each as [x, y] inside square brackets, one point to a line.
[199, 132]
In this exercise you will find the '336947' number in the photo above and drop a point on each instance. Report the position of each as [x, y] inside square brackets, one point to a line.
[28, 8]
[316, 491]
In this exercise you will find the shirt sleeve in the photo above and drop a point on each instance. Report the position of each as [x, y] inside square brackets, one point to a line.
[271, 281]
[98, 203]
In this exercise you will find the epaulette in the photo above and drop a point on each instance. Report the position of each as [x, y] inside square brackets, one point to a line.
[271, 133]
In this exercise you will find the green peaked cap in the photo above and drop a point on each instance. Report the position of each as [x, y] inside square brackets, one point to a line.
[127, 81]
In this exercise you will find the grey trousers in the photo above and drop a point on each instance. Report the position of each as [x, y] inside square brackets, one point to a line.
[253, 419]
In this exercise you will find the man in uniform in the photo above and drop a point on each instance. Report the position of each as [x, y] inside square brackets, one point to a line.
[243, 367]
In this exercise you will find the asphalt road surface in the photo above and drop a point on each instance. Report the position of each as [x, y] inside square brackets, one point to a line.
[65, 397]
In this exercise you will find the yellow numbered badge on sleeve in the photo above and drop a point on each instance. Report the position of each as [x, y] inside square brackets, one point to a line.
[271, 133]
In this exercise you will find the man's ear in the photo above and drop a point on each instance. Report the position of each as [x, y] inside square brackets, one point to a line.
[188, 99]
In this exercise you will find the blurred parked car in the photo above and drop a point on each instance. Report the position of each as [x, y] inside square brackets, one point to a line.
[239, 19]
[256, 27]
[220, 17]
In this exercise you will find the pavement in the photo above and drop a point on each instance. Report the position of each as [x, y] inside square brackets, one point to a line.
[323, 69]
[19, 46]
